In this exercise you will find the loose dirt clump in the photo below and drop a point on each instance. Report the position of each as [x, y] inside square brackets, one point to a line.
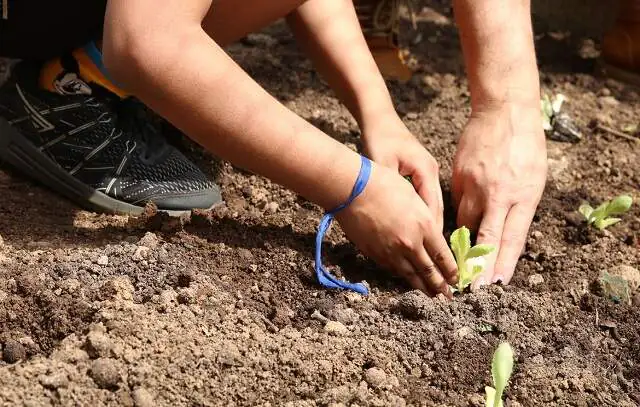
[222, 308]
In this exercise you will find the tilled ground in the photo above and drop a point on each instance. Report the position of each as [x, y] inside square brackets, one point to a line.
[223, 309]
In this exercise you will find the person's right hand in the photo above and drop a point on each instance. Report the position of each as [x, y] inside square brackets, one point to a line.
[392, 225]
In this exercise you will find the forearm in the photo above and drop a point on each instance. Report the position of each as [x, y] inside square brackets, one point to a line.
[191, 81]
[330, 33]
[499, 53]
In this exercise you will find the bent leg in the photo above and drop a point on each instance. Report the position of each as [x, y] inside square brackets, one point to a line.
[227, 21]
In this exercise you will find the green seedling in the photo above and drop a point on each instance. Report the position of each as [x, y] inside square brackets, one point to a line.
[604, 215]
[501, 369]
[550, 109]
[470, 260]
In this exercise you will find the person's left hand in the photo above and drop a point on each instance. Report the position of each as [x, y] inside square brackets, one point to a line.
[388, 142]
[499, 173]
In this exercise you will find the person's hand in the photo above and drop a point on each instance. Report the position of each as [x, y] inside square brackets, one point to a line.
[388, 142]
[499, 174]
[391, 225]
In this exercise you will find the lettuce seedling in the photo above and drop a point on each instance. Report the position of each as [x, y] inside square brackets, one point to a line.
[550, 109]
[501, 369]
[470, 260]
[601, 217]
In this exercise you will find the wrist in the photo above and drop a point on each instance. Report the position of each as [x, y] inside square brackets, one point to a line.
[490, 106]
[494, 92]
[381, 125]
[371, 106]
[336, 180]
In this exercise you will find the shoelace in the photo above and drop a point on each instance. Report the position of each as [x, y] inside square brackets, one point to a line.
[324, 276]
[134, 118]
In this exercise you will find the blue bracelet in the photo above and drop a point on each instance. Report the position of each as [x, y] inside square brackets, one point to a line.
[324, 277]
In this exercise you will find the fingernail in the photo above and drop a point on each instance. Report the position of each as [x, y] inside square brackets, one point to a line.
[498, 279]
[480, 283]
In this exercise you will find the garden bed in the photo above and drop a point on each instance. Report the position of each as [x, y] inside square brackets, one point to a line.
[223, 308]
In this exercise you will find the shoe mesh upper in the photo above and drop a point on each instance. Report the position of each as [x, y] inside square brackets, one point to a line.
[90, 138]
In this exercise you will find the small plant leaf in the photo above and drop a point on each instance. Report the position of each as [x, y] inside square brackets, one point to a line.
[602, 224]
[586, 210]
[547, 107]
[619, 205]
[491, 397]
[599, 212]
[476, 265]
[480, 250]
[460, 243]
[501, 369]
[556, 105]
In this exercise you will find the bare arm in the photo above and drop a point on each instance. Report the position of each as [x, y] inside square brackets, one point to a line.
[500, 167]
[330, 33]
[185, 76]
[497, 41]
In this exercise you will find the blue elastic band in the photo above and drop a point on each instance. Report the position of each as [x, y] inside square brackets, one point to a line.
[324, 277]
[96, 57]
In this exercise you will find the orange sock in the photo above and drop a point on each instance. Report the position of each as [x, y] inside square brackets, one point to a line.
[56, 77]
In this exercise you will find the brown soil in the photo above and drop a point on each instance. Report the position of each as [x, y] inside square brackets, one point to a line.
[223, 308]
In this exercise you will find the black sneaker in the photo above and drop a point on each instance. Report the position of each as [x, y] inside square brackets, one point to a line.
[93, 147]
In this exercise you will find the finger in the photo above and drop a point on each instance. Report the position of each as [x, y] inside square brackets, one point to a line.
[440, 219]
[437, 248]
[469, 213]
[407, 270]
[490, 232]
[429, 273]
[426, 181]
[456, 190]
[516, 228]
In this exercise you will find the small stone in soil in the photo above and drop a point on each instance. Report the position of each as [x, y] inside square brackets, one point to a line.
[105, 373]
[335, 328]
[282, 315]
[103, 260]
[318, 316]
[574, 218]
[230, 355]
[464, 332]
[118, 288]
[375, 377]
[149, 240]
[535, 279]
[54, 380]
[246, 255]
[142, 398]
[271, 207]
[13, 351]
[415, 304]
[98, 345]
[608, 101]
[631, 274]
[141, 253]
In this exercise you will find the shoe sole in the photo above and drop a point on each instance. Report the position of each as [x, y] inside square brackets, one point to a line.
[21, 154]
